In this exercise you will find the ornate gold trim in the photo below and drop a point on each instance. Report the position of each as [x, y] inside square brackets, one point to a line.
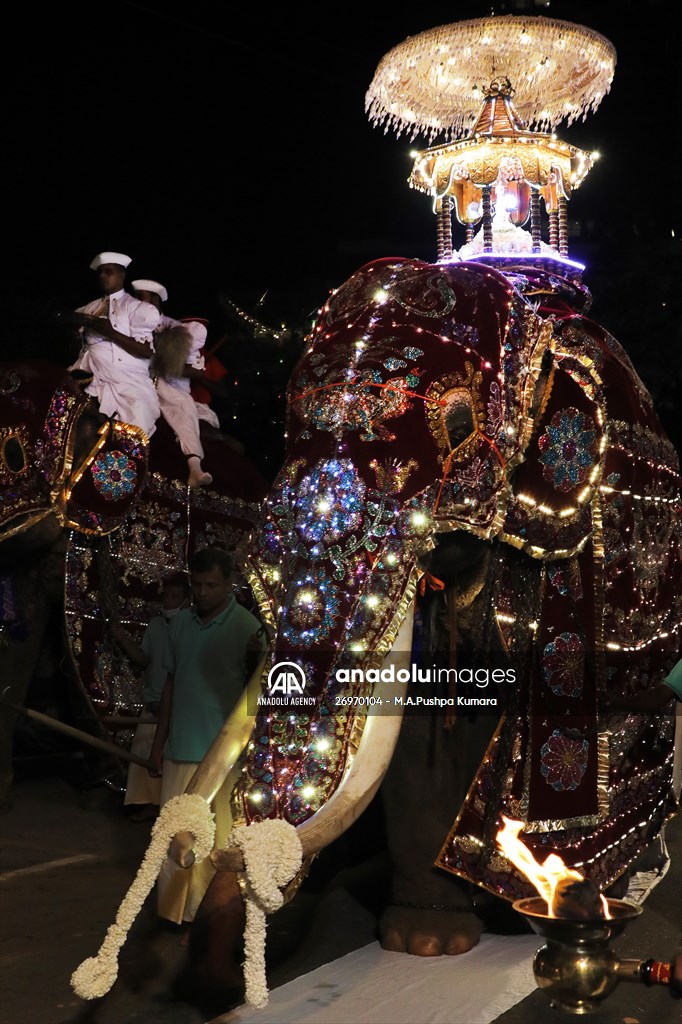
[543, 553]
[451, 838]
[543, 343]
[468, 383]
[483, 532]
[19, 434]
[254, 580]
[387, 639]
[62, 482]
[25, 524]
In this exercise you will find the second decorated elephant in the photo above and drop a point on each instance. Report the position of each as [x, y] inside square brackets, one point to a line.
[92, 517]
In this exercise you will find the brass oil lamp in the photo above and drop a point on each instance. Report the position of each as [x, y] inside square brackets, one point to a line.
[576, 967]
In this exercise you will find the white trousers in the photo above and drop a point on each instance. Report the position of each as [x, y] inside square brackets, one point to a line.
[182, 414]
[122, 387]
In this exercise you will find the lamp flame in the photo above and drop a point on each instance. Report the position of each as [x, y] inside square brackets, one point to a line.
[545, 877]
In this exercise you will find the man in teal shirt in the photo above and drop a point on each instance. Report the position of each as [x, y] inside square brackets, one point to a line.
[210, 648]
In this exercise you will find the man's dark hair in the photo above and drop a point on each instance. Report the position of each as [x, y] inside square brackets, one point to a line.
[212, 558]
[177, 579]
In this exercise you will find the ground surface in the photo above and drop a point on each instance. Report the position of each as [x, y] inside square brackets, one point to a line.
[69, 854]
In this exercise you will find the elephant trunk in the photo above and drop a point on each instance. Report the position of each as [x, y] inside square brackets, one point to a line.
[352, 796]
[365, 774]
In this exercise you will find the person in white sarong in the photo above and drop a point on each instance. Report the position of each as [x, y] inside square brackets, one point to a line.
[179, 354]
[143, 791]
[117, 332]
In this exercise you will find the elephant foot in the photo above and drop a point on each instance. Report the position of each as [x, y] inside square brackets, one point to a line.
[429, 930]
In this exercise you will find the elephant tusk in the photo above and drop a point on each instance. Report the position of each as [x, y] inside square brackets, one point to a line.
[365, 775]
[220, 758]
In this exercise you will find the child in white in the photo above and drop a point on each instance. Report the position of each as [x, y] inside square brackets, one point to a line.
[178, 407]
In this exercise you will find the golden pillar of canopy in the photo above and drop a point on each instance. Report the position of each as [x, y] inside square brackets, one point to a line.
[499, 150]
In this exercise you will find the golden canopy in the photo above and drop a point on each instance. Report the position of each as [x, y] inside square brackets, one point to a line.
[460, 78]
[432, 83]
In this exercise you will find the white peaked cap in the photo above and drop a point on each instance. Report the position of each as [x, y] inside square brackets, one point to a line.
[143, 285]
[119, 258]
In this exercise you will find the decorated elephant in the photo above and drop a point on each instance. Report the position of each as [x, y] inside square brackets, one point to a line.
[477, 529]
[93, 516]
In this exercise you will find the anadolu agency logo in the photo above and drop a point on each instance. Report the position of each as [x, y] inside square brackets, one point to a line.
[285, 687]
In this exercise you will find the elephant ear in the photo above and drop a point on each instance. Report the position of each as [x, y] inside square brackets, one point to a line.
[40, 408]
[549, 514]
[97, 496]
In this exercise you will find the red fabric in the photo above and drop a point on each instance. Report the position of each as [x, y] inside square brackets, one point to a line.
[215, 371]
[566, 469]
[120, 579]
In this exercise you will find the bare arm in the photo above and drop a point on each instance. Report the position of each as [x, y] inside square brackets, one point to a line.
[129, 646]
[162, 728]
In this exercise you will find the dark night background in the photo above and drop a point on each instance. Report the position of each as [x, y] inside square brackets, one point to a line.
[228, 152]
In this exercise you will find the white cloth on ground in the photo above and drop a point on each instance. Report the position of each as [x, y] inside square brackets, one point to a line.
[371, 984]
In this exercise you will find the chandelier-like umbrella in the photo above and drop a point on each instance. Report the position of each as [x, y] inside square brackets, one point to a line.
[458, 80]
[433, 83]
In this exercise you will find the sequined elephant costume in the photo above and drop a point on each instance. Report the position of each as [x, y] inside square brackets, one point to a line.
[435, 399]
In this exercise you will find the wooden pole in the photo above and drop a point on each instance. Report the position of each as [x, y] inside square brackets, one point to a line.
[77, 734]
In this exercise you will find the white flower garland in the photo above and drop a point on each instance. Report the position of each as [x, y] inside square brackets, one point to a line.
[272, 856]
[184, 813]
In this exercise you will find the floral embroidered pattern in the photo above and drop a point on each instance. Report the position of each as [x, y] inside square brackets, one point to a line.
[569, 449]
[563, 665]
[361, 404]
[114, 475]
[565, 576]
[330, 501]
[563, 761]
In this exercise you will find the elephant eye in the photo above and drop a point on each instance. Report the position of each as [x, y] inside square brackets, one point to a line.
[13, 454]
[458, 417]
